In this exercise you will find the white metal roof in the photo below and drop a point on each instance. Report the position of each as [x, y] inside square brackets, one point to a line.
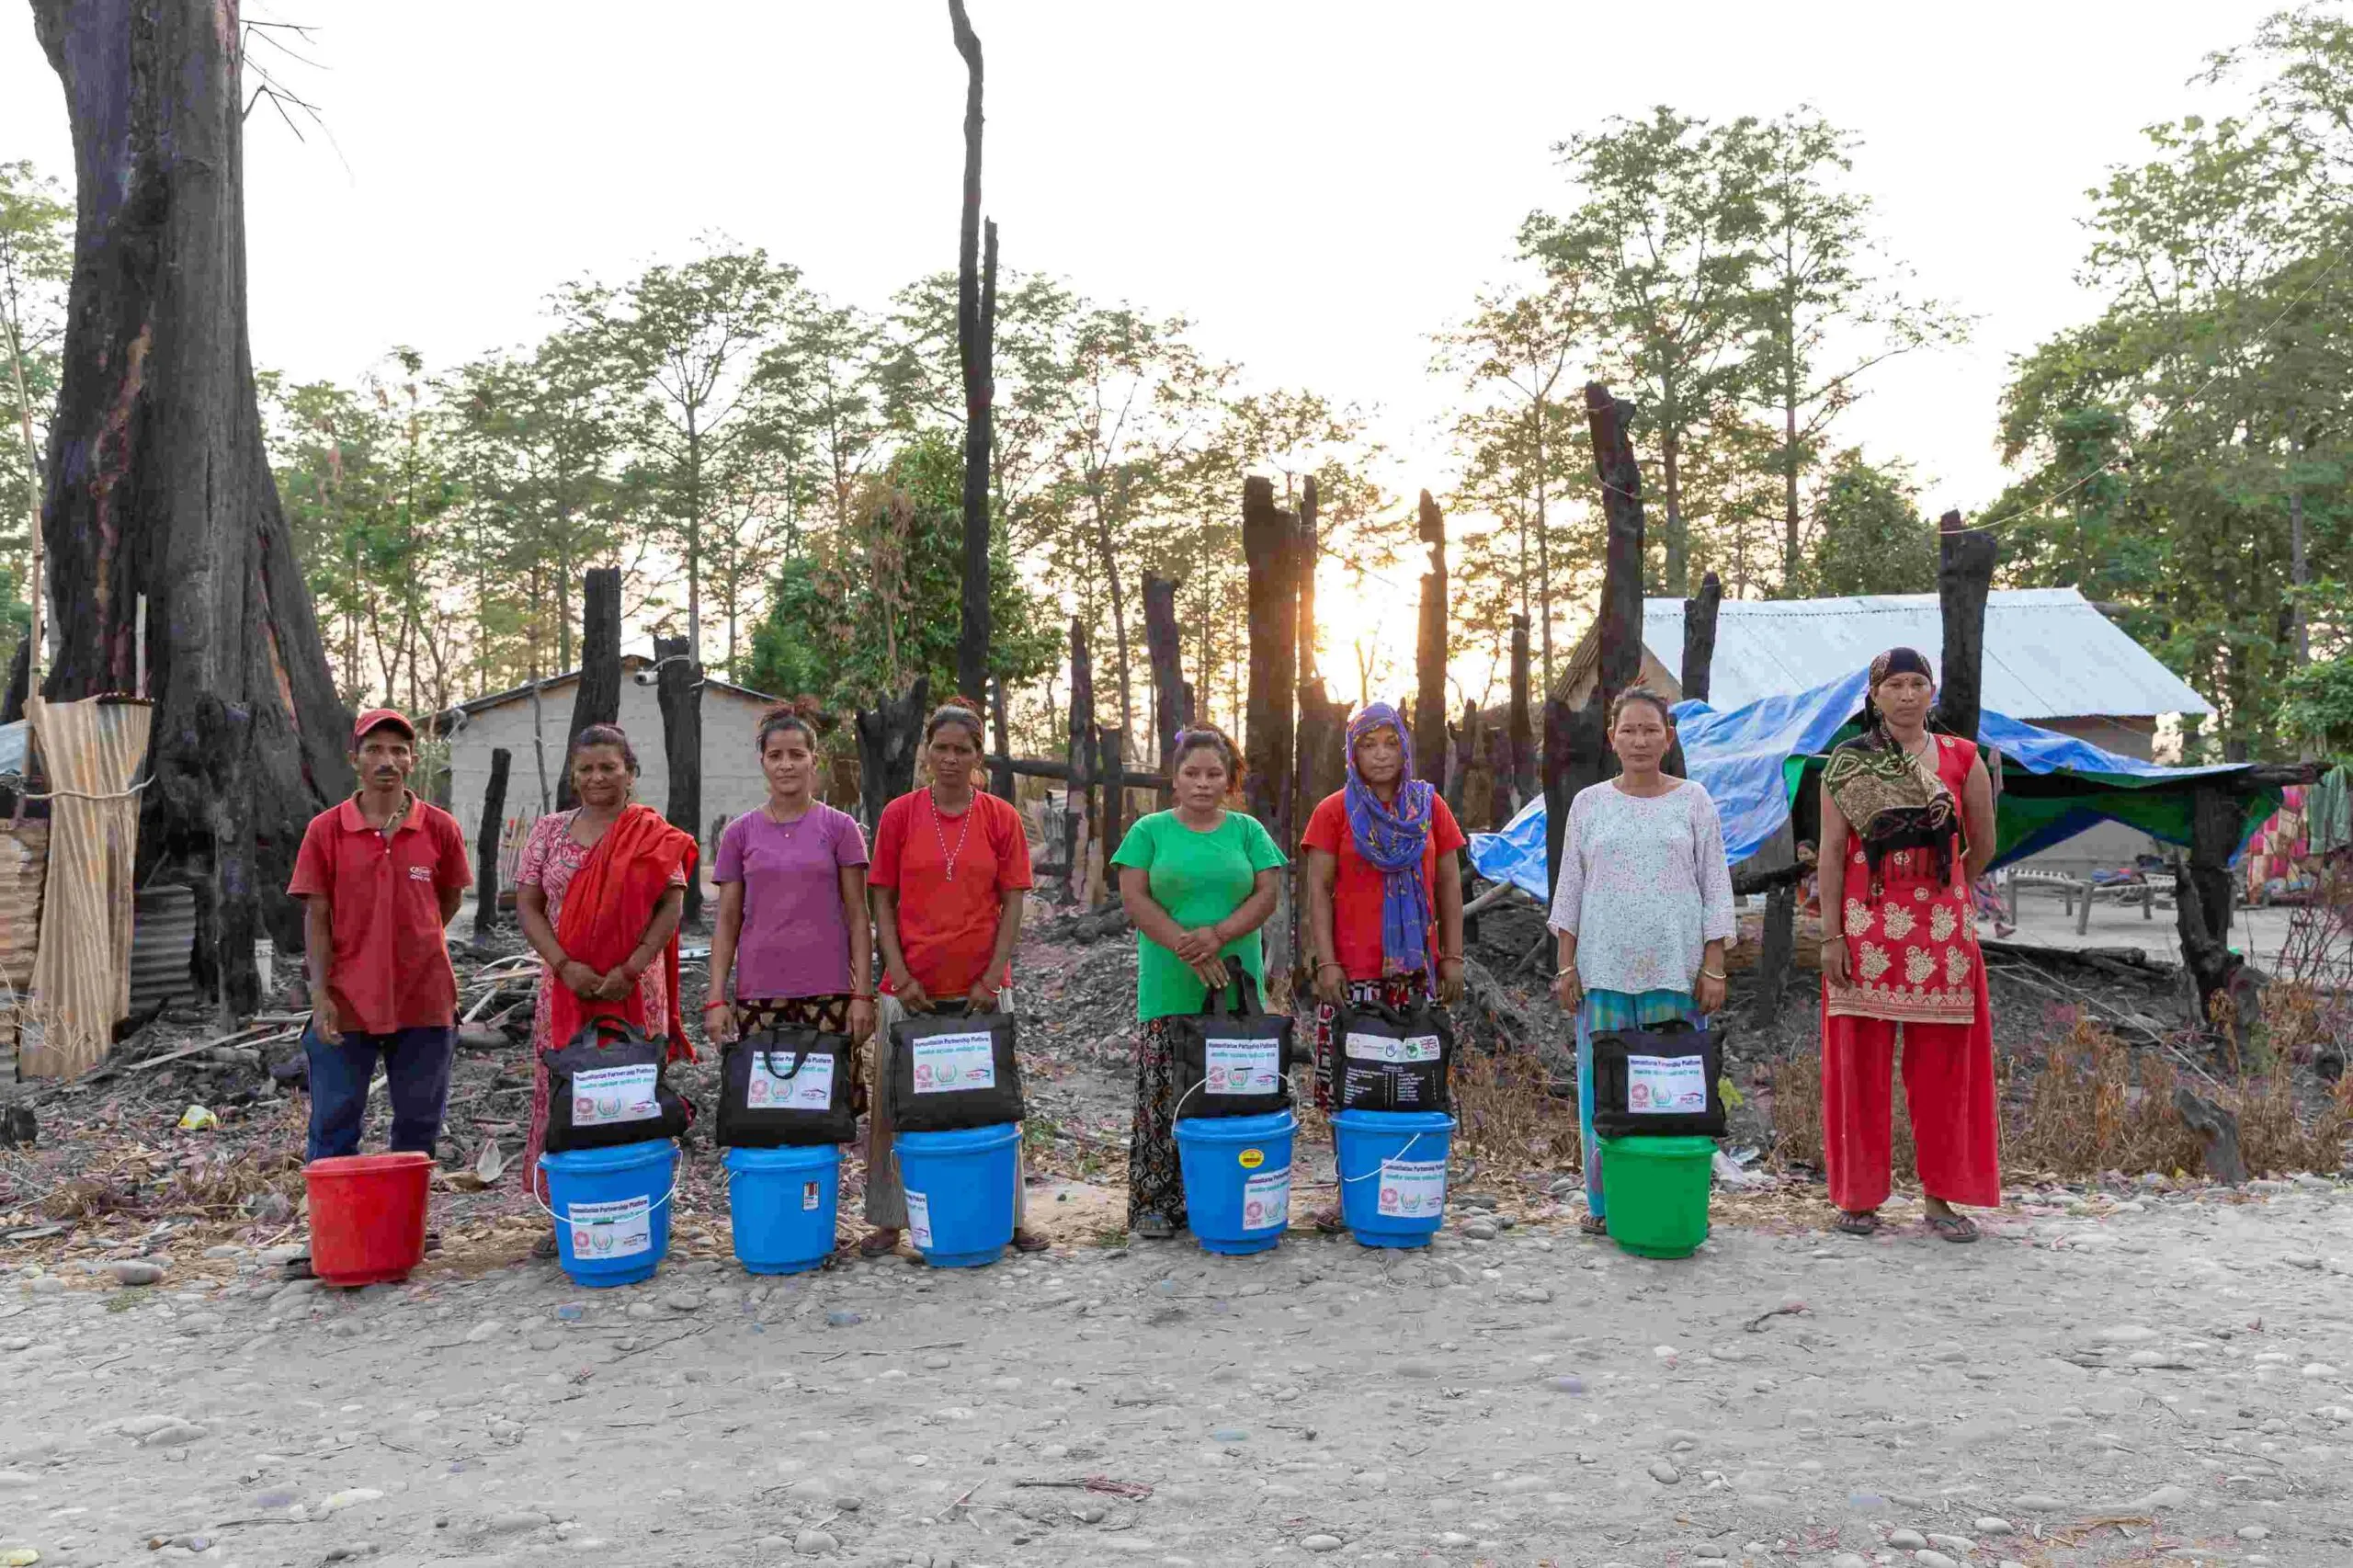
[2048, 653]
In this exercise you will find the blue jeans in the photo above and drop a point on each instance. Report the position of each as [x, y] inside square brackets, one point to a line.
[416, 1073]
[1606, 1011]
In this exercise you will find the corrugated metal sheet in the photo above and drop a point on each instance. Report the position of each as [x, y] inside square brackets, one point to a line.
[163, 936]
[24, 861]
[2048, 654]
[93, 751]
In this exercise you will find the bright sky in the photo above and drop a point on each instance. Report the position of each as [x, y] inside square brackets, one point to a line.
[1320, 186]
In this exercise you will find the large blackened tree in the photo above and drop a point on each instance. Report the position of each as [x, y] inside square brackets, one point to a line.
[157, 483]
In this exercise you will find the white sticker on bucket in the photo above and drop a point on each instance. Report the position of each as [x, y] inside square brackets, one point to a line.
[1666, 1085]
[919, 1218]
[810, 1193]
[1413, 1189]
[1242, 1066]
[951, 1062]
[1383, 1048]
[605, 1095]
[1266, 1201]
[775, 1087]
[620, 1228]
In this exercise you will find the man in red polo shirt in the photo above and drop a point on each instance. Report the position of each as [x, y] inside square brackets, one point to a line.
[382, 874]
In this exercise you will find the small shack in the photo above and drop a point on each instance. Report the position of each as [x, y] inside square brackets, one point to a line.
[731, 782]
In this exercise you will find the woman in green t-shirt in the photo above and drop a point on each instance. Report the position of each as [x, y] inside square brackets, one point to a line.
[1198, 881]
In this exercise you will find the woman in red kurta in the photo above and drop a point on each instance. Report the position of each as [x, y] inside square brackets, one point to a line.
[1907, 825]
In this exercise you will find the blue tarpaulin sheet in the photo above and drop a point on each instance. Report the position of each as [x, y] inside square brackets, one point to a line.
[1741, 758]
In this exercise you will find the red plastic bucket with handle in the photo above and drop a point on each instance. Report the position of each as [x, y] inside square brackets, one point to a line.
[368, 1216]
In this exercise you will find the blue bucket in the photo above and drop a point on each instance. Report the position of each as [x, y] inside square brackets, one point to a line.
[781, 1205]
[611, 1209]
[1393, 1174]
[1237, 1178]
[960, 1192]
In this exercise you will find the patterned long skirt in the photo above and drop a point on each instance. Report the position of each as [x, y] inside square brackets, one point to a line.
[1399, 991]
[1155, 1181]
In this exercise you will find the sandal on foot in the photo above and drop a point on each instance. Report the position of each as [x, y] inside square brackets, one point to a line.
[1863, 1224]
[544, 1248]
[1328, 1223]
[1593, 1226]
[878, 1244]
[1030, 1241]
[298, 1268]
[1153, 1227]
[1953, 1227]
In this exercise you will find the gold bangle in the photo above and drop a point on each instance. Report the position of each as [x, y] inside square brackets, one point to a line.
[1568, 973]
[1712, 975]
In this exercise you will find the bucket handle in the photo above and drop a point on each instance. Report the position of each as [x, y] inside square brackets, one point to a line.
[677, 1174]
[1396, 1159]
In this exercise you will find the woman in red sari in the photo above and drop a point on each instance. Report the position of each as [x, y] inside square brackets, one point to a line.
[1907, 826]
[599, 893]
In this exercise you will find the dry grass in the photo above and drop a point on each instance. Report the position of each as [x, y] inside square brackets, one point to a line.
[1508, 1116]
[2090, 1103]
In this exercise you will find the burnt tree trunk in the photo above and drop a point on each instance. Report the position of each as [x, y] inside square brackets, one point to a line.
[888, 733]
[1270, 547]
[1429, 651]
[1620, 613]
[1172, 702]
[1560, 740]
[1110, 746]
[157, 483]
[1523, 727]
[1964, 576]
[677, 687]
[1001, 761]
[1778, 957]
[976, 347]
[486, 840]
[598, 700]
[1699, 654]
[1077, 796]
[1310, 544]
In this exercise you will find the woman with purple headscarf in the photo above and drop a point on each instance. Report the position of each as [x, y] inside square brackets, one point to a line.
[1385, 888]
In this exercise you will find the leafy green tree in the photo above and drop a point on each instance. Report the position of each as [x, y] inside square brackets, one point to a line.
[36, 265]
[1872, 537]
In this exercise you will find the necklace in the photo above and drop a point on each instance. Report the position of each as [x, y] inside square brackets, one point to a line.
[945, 853]
[767, 810]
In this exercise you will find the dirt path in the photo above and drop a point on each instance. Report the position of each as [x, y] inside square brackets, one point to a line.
[2164, 1378]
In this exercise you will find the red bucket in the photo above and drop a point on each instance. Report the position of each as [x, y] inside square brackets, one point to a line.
[368, 1216]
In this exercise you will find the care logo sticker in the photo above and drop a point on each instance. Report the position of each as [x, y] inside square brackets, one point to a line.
[1667, 1086]
[949, 1061]
[1252, 1158]
[1266, 1201]
[1244, 1066]
[614, 1094]
[620, 1228]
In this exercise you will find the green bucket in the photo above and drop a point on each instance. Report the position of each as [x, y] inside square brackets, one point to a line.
[1657, 1192]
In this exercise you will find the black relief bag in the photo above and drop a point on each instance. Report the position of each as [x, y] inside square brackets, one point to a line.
[610, 1087]
[950, 1072]
[1232, 1063]
[787, 1088]
[1388, 1059]
[1661, 1081]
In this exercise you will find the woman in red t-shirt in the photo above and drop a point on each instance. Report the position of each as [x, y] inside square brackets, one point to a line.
[949, 877]
[1380, 857]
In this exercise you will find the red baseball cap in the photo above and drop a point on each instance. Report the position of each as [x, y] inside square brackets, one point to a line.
[377, 718]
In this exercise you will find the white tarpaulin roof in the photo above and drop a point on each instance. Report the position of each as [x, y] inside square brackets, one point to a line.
[2048, 653]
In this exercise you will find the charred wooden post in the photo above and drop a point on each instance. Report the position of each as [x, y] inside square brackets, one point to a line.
[1111, 747]
[1523, 728]
[1777, 956]
[1610, 419]
[1430, 651]
[1001, 761]
[1560, 739]
[598, 699]
[975, 349]
[1077, 798]
[2218, 1128]
[888, 736]
[486, 842]
[1270, 547]
[677, 688]
[1310, 546]
[1699, 654]
[1172, 699]
[1964, 576]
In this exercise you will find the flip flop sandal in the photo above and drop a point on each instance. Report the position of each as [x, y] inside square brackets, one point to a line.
[544, 1248]
[298, 1268]
[872, 1245]
[1858, 1224]
[1329, 1223]
[1153, 1227]
[1953, 1227]
[1593, 1226]
[1030, 1241]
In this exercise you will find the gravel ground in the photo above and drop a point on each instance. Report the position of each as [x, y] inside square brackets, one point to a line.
[2150, 1376]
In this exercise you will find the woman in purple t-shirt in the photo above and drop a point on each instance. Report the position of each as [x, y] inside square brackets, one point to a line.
[792, 946]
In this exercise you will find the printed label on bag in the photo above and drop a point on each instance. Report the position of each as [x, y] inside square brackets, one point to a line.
[604, 1095]
[620, 1228]
[1666, 1085]
[809, 1194]
[775, 1087]
[1266, 1201]
[918, 1218]
[949, 1061]
[1413, 1189]
[1384, 1048]
[1242, 1066]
